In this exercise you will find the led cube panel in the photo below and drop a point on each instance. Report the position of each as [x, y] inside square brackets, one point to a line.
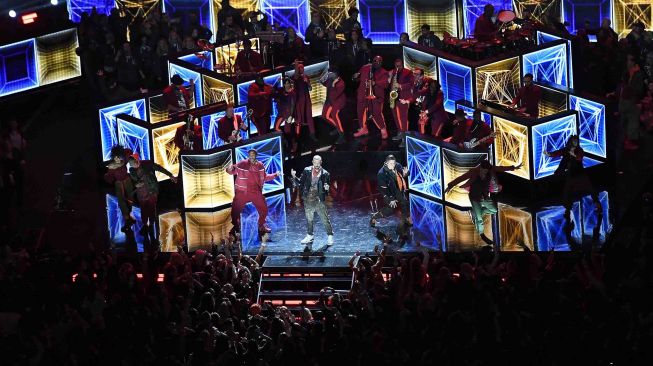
[210, 127]
[108, 129]
[181, 9]
[625, 13]
[333, 12]
[511, 146]
[515, 228]
[553, 231]
[382, 20]
[276, 220]
[577, 12]
[288, 13]
[469, 113]
[269, 153]
[203, 228]
[540, 10]
[135, 8]
[548, 65]
[499, 81]
[77, 7]
[318, 91]
[115, 222]
[596, 223]
[134, 137]
[456, 81]
[171, 231]
[158, 109]
[203, 59]
[165, 151]
[461, 232]
[205, 180]
[455, 164]
[550, 136]
[187, 75]
[226, 55]
[424, 167]
[428, 222]
[216, 90]
[414, 58]
[543, 37]
[57, 58]
[441, 15]
[243, 89]
[591, 124]
[18, 67]
[472, 9]
[552, 102]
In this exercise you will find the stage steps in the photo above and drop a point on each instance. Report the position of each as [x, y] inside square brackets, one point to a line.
[296, 280]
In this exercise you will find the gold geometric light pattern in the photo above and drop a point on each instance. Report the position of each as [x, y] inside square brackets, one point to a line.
[454, 165]
[205, 180]
[171, 231]
[511, 146]
[499, 81]
[203, 228]
[217, 90]
[552, 102]
[57, 58]
[461, 232]
[165, 151]
[540, 10]
[333, 12]
[441, 17]
[515, 228]
[629, 12]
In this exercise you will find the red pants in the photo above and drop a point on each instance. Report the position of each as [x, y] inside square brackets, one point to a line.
[400, 115]
[262, 124]
[333, 117]
[363, 106]
[241, 199]
[288, 128]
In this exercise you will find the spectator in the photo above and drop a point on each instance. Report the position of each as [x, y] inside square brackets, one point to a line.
[229, 30]
[351, 23]
[428, 38]
[316, 35]
[293, 46]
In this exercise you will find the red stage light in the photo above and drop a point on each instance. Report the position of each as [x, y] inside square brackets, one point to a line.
[29, 18]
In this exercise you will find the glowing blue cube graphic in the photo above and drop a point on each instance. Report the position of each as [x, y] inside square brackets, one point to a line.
[428, 222]
[188, 75]
[456, 81]
[577, 12]
[205, 62]
[276, 220]
[135, 138]
[550, 226]
[269, 153]
[243, 88]
[115, 222]
[18, 67]
[548, 65]
[383, 20]
[288, 13]
[591, 216]
[210, 128]
[472, 9]
[543, 37]
[591, 124]
[108, 128]
[77, 7]
[550, 136]
[469, 113]
[424, 167]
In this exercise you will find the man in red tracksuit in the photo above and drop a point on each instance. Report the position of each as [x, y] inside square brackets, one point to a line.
[335, 102]
[259, 100]
[366, 106]
[404, 80]
[250, 177]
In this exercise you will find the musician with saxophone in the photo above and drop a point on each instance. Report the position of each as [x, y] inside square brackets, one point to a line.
[248, 60]
[370, 96]
[335, 101]
[230, 126]
[401, 93]
[259, 100]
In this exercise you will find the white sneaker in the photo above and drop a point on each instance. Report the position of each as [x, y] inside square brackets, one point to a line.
[307, 239]
[330, 240]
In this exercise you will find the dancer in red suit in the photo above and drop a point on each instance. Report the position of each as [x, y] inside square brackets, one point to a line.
[433, 110]
[367, 104]
[250, 177]
[303, 105]
[230, 125]
[259, 100]
[335, 102]
[402, 80]
[248, 61]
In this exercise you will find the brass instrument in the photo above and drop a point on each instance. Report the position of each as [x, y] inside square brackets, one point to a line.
[190, 133]
[394, 90]
[370, 87]
[248, 117]
[423, 118]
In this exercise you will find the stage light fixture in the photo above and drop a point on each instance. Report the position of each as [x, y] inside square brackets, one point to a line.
[54, 2]
[12, 13]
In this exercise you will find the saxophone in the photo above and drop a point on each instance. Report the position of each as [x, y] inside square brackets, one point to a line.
[394, 90]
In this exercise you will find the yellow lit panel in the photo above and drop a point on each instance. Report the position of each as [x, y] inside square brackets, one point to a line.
[334, 12]
[499, 81]
[216, 90]
[171, 231]
[417, 59]
[455, 164]
[166, 152]
[439, 14]
[318, 91]
[203, 228]
[461, 233]
[226, 55]
[511, 146]
[158, 109]
[628, 12]
[205, 180]
[552, 102]
[541, 10]
[57, 59]
[515, 229]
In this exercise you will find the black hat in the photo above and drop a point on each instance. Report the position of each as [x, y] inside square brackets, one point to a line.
[177, 80]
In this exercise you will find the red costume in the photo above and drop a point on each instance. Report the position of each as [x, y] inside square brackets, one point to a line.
[529, 96]
[198, 143]
[405, 80]
[303, 105]
[484, 29]
[249, 188]
[177, 96]
[285, 108]
[335, 102]
[380, 78]
[259, 100]
[249, 61]
[226, 127]
[434, 107]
